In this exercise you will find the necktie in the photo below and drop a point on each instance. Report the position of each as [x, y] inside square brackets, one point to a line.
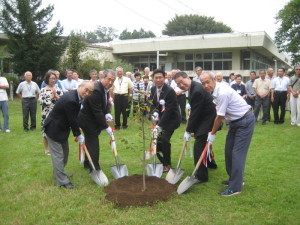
[158, 94]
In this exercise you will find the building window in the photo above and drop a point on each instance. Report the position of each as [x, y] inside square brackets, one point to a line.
[189, 56]
[207, 60]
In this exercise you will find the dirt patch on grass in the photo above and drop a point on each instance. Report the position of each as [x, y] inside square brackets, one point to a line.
[127, 191]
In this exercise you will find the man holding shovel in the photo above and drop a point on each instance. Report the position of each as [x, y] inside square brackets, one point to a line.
[165, 112]
[232, 107]
[57, 128]
[94, 116]
[201, 120]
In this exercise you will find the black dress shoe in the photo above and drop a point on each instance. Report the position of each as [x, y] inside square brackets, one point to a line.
[69, 185]
[26, 130]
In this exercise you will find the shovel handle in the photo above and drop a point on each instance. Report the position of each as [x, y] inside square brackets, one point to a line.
[200, 159]
[181, 153]
[88, 155]
[113, 142]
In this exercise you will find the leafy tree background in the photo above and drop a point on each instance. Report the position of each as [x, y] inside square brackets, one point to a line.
[288, 35]
[76, 45]
[135, 34]
[194, 24]
[32, 45]
[101, 34]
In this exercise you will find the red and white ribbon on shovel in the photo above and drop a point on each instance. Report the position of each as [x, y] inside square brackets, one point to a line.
[209, 154]
[80, 151]
[112, 144]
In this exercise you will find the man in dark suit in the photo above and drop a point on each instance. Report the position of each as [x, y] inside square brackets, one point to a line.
[201, 120]
[57, 128]
[239, 87]
[95, 114]
[165, 111]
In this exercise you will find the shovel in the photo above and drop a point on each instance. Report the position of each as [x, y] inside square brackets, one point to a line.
[190, 180]
[154, 169]
[119, 170]
[97, 175]
[174, 175]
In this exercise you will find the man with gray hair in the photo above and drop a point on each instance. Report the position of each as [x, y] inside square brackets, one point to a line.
[94, 76]
[198, 71]
[122, 91]
[94, 116]
[231, 106]
[28, 91]
[61, 120]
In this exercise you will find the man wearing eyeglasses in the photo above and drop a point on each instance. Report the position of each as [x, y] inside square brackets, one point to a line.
[94, 116]
[61, 120]
[295, 98]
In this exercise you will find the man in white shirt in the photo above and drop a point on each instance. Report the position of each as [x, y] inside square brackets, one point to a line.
[181, 97]
[231, 106]
[28, 91]
[270, 76]
[76, 79]
[280, 86]
[4, 103]
[122, 91]
[69, 84]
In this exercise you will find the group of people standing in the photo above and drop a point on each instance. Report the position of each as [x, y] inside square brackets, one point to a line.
[267, 91]
[85, 106]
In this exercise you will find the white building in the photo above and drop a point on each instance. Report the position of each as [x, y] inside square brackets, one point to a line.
[229, 52]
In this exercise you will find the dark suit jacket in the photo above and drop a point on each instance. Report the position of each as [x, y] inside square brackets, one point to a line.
[203, 110]
[242, 88]
[170, 118]
[63, 117]
[92, 115]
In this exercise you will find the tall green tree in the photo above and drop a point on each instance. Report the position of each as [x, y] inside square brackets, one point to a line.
[76, 45]
[194, 24]
[101, 34]
[135, 34]
[33, 46]
[288, 35]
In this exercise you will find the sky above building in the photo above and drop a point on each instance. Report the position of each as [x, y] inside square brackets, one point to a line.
[240, 15]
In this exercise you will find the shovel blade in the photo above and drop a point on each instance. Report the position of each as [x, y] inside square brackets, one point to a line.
[156, 171]
[186, 184]
[174, 175]
[99, 177]
[119, 171]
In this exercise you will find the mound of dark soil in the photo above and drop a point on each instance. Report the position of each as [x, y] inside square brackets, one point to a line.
[127, 191]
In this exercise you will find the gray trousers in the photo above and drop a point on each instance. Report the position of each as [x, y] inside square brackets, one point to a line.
[265, 104]
[237, 144]
[59, 155]
[29, 107]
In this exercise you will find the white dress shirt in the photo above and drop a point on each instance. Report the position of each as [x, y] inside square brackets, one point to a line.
[229, 103]
[281, 83]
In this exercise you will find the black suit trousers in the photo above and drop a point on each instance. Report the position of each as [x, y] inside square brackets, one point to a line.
[199, 145]
[279, 101]
[181, 99]
[92, 144]
[121, 106]
[164, 146]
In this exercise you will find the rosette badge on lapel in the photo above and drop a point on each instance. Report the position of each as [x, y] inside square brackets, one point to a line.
[162, 102]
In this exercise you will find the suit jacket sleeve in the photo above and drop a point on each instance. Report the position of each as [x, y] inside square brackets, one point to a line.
[170, 107]
[72, 108]
[98, 107]
[196, 101]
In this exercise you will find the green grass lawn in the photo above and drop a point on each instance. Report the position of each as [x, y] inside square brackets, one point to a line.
[28, 194]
